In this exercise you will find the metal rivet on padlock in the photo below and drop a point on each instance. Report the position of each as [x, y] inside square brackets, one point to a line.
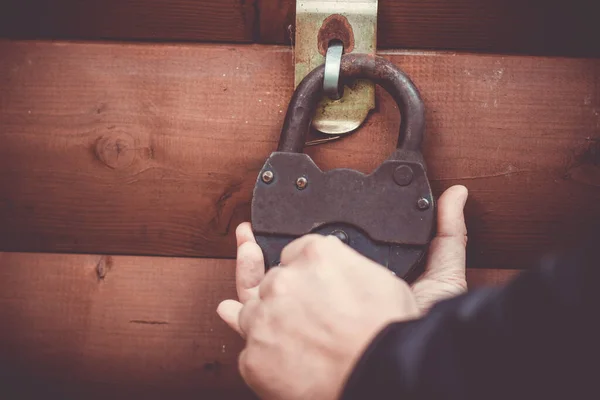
[403, 175]
[267, 176]
[301, 183]
[387, 215]
[423, 203]
[340, 234]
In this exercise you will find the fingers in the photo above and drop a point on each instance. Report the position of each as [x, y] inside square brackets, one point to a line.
[312, 246]
[247, 315]
[445, 271]
[244, 234]
[280, 281]
[242, 363]
[238, 316]
[451, 219]
[295, 249]
[447, 255]
[250, 271]
[250, 266]
[229, 311]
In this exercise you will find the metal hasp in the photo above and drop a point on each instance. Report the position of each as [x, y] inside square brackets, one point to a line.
[388, 215]
[354, 23]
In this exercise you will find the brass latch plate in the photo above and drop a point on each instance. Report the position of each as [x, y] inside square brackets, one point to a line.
[355, 24]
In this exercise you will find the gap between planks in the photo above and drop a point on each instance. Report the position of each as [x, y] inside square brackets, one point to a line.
[143, 326]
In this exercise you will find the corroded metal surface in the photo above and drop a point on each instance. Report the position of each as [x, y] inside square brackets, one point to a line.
[356, 66]
[388, 215]
[355, 24]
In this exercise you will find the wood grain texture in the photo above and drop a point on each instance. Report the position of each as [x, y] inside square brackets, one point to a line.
[154, 149]
[97, 327]
[175, 20]
[541, 27]
[536, 27]
[117, 327]
[477, 278]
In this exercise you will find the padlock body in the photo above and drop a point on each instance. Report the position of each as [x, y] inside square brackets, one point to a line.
[403, 261]
[378, 214]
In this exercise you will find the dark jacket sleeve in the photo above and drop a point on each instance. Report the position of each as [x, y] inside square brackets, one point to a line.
[535, 338]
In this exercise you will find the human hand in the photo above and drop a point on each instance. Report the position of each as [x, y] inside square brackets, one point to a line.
[306, 324]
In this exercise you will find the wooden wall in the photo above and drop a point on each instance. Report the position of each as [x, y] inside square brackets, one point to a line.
[541, 27]
[127, 158]
[97, 327]
[154, 149]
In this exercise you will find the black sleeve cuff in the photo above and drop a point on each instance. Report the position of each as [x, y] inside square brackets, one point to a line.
[378, 373]
[425, 358]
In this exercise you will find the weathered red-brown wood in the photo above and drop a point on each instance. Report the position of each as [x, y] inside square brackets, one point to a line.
[477, 278]
[175, 20]
[97, 327]
[544, 27]
[154, 149]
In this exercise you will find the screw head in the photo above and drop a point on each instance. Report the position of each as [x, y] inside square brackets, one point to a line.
[403, 175]
[423, 204]
[267, 176]
[301, 182]
[340, 234]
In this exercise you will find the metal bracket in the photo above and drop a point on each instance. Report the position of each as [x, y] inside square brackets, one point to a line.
[354, 23]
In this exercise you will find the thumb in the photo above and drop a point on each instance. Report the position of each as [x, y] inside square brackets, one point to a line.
[229, 311]
[445, 271]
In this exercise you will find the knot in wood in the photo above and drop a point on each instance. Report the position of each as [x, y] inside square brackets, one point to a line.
[116, 151]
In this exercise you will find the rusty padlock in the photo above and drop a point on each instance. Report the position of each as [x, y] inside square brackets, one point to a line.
[388, 216]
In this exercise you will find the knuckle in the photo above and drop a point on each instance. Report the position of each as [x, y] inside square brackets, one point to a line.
[244, 247]
[243, 359]
[246, 364]
[272, 275]
[246, 317]
[243, 363]
[240, 229]
[249, 363]
[277, 284]
[458, 282]
[318, 248]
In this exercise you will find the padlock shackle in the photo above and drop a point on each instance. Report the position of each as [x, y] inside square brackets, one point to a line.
[355, 66]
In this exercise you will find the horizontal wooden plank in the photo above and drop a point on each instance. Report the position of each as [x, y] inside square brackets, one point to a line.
[541, 27]
[89, 326]
[154, 149]
[535, 27]
[197, 20]
[477, 278]
[117, 327]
